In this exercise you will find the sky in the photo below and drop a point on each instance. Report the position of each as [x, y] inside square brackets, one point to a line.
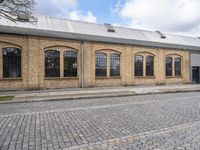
[171, 16]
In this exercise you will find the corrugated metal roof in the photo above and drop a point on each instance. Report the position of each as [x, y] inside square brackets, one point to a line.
[63, 28]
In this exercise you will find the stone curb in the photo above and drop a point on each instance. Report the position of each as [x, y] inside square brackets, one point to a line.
[68, 98]
[91, 96]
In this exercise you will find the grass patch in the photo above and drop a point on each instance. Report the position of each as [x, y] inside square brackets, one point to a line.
[6, 98]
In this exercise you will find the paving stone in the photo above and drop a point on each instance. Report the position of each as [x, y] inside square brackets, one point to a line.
[162, 121]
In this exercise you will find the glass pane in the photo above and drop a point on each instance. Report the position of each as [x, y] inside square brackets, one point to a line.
[11, 62]
[177, 66]
[149, 66]
[52, 63]
[138, 65]
[70, 64]
[114, 65]
[168, 64]
[101, 64]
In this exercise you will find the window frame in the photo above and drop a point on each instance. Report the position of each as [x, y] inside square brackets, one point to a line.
[175, 68]
[174, 71]
[118, 73]
[142, 65]
[152, 69]
[102, 74]
[59, 63]
[171, 66]
[75, 71]
[110, 63]
[17, 59]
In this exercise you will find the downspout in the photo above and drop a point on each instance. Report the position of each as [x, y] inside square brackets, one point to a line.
[82, 64]
[190, 67]
[82, 58]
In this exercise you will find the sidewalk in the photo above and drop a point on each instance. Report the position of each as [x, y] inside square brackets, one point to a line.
[78, 93]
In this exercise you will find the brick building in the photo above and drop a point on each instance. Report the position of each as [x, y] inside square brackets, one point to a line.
[58, 53]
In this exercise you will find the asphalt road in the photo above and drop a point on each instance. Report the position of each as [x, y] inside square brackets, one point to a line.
[163, 121]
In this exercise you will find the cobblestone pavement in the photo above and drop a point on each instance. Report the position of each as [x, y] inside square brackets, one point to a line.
[165, 121]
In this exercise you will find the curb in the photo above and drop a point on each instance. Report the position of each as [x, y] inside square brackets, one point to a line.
[46, 99]
[68, 98]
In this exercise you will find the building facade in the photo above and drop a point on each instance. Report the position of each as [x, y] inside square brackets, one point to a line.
[41, 62]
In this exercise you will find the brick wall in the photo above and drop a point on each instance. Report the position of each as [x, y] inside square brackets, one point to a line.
[33, 63]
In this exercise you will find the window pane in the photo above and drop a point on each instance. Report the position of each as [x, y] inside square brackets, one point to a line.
[168, 64]
[70, 64]
[177, 66]
[149, 66]
[101, 64]
[114, 65]
[11, 62]
[138, 65]
[52, 63]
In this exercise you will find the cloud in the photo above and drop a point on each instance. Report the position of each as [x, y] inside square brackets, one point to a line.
[181, 16]
[63, 9]
[116, 8]
[55, 7]
[77, 15]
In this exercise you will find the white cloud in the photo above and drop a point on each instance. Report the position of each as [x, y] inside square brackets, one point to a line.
[180, 16]
[77, 15]
[63, 9]
[55, 7]
[116, 8]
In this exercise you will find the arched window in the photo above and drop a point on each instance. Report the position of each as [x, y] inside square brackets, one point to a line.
[101, 64]
[138, 65]
[168, 64]
[11, 62]
[70, 64]
[114, 64]
[52, 63]
[177, 66]
[149, 66]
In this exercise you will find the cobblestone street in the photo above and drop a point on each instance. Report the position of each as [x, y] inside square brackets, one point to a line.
[162, 121]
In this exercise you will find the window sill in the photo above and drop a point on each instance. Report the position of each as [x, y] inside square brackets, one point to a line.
[10, 79]
[61, 78]
[169, 77]
[108, 77]
[145, 77]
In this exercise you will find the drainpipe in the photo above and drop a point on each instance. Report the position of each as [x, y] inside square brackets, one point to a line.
[82, 58]
[82, 64]
[190, 67]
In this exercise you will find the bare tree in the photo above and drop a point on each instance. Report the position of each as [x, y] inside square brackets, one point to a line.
[17, 10]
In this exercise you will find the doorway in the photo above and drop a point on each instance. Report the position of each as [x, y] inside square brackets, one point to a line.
[195, 75]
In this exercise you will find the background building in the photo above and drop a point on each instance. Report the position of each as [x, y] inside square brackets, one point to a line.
[58, 53]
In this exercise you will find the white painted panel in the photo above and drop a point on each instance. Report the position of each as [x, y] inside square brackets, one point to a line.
[195, 59]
